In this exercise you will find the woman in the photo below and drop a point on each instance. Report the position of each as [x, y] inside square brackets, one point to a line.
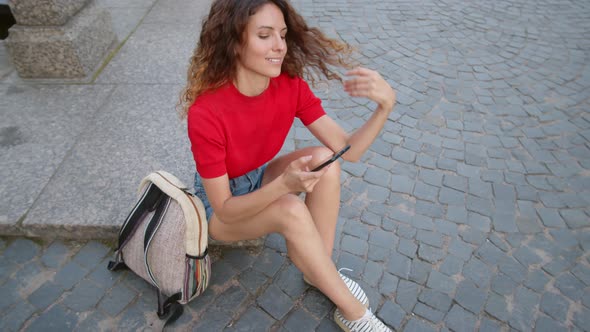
[244, 91]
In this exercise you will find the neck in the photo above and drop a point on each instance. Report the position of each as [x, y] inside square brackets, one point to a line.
[250, 85]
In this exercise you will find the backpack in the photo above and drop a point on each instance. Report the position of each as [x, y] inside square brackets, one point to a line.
[164, 241]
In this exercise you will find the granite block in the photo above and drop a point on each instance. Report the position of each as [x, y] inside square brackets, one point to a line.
[73, 50]
[46, 12]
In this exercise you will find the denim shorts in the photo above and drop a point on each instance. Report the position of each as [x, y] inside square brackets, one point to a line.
[241, 185]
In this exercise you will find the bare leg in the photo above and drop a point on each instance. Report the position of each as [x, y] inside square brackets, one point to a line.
[289, 216]
[324, 202]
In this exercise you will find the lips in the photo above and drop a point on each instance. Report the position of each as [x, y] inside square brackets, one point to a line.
[274, 60]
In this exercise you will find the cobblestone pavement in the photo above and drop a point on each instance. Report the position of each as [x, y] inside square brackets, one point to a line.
[470, 212]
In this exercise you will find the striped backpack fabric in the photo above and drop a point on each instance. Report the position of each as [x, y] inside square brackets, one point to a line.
[164, 240]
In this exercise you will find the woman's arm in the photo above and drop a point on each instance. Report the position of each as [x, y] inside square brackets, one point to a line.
[230, 209]
[366, 83]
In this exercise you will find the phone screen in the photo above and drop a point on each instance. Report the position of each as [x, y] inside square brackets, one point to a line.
[331, 160]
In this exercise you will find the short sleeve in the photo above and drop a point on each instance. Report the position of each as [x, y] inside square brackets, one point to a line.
[309, 107]
[208, 142]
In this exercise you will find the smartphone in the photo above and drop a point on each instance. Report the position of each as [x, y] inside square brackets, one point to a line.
[331, 160]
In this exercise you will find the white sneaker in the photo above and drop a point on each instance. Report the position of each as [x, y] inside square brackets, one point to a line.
[368, 323]
[354, 288]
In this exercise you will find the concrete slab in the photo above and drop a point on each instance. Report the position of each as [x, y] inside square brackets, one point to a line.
[179, 11]
[40, 124]
[155, 53]
[92, 192]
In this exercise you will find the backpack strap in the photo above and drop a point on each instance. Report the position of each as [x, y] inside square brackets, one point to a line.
[168, 308]
[147, 202]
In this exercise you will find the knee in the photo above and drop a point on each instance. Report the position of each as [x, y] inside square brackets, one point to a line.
[321, 154]
[294, 215]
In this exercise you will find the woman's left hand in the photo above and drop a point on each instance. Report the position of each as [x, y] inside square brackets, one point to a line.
[369, 83]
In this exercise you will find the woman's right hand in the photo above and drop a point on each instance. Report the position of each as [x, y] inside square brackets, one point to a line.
[298, 178]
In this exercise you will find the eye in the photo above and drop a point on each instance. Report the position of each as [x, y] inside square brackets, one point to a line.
[284, 37]
[263, 37]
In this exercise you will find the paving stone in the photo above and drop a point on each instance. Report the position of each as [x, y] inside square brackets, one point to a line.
[490, 254]
[354, 245]
[489, 325]
[317, 303]
[252, 280]
[526, 256]
[268, 262]
[240, 259]
[435, 299]
[523, 311]
[391, 314]
[430, 238]
[224, 272]
[97, 318]
[407, 247]
[19, 314]
[482, 206]
[451, 265]
[472, 235]
[446, 227]
[425, 191]
[117, 299]
[91, 254]
[575, 218]
[478, 272]
[460, 249]
[57, 318]
[290, 281]
[564, 238]
[372, 273]
[45, 295]
[21, 251]
[499, 242]
[402, 184]
[300, 320]
[460, 320]
[582, 273]
[513, 269]
[496, 306]
[557, 265]
[399, 265]
[441, 282]
[503, 285]
[550, 217]
[428, 209]
[378, 254]
[69, 275]
[417, 325]
[388, 284]
[406, 231]
[429, 253]
[586, 298]
[458, 183]
[55, 255]
[371, 218]
[555, 306]
[419, 271]
[428, 313]
[213, 319]
[546, 324]
[383, 239]
[84, 296]
[355, 263]
[504, 222]
[277, 242]
[536, 280]
[407, 295]
[582, 318]
[327, 324]
[470, 297]
[275, 302]
[378, 176]
[569, 286]
[457, 214]
[356, 229]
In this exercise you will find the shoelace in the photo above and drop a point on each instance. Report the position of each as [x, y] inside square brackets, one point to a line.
[345, 269]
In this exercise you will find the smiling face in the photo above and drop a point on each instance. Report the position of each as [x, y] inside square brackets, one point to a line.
[264, 48]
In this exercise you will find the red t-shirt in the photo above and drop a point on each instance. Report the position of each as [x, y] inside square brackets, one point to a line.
[235, 134]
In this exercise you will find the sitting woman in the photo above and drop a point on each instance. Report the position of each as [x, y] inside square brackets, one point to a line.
[244, 91]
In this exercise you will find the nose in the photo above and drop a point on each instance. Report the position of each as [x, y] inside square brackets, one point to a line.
[279, 44]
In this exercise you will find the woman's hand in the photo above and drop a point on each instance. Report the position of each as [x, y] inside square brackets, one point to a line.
[297, 177]
[369, 83]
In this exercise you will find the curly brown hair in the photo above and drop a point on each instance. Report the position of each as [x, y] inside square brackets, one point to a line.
[214, 60]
